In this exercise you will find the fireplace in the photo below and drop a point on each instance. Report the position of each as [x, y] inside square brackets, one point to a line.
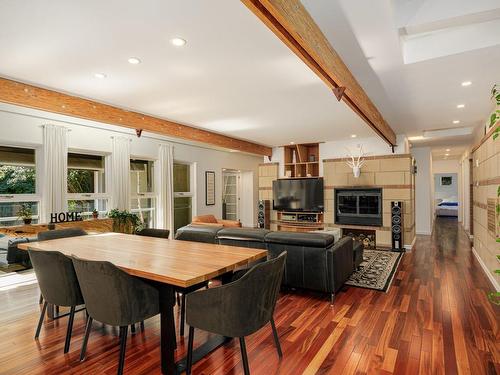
[358, 206]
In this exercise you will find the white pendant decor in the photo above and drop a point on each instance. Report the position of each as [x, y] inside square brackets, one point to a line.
[356, 161]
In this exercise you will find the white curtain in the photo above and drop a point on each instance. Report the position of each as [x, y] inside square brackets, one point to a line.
[118, 174]
[165, 184]
[55, 167]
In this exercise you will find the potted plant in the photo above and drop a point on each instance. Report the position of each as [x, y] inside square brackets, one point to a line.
[95, 213]
[124, 221]
[25, 212]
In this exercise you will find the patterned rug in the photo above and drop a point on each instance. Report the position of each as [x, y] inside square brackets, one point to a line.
[377, 270]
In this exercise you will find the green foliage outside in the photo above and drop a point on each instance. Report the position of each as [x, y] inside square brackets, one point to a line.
[17, 179]
[80, 181]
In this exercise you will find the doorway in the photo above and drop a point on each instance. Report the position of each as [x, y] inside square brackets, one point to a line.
[446, 195]
[184, 196]
[231, 194]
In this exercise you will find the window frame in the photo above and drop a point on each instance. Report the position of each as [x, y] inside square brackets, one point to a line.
[91, 196]
[33, 197]
[146, 195]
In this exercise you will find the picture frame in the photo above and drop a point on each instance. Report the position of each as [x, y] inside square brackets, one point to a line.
[209, 188]
[446, 180]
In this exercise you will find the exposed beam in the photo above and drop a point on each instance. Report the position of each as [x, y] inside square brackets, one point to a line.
[21, 94]
[291, 22]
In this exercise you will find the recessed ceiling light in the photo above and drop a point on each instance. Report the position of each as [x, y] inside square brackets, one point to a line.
[292, 143]
[134, 60]
[466, 83]
[178, 42]
[456, 121]
[446, 154]
[416, 138]
[460, 105]
[353, 135]
[447, 150]
[100, 75]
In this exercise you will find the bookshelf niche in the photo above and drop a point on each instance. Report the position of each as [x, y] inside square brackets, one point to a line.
[301, 160]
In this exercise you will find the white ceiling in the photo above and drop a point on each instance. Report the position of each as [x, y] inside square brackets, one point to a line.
[234, 76]
[423, 95]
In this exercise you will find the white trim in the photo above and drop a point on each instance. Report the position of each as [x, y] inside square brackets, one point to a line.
[486, 270]
[409, 247]
[425, 233]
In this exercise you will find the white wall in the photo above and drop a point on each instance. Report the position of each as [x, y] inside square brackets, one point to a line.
[423, 190]
[22, 127]
[445, 191]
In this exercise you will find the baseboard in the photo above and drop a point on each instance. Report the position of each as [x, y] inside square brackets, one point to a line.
[408, 248]
[486, 271]
[425, 233]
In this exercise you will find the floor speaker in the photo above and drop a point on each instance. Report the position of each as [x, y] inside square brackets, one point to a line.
[264, 214]
[397, 228]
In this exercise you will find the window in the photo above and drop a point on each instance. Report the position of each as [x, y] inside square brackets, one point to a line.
[142, 191]
[183, 194]
[86, 184]
[17, 184]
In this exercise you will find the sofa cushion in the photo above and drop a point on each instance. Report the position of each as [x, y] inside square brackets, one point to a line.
[301, 239]
[243, 234]
[198, 233]
[14, 255]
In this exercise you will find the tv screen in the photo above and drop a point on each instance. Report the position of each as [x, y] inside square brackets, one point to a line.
[298, 195]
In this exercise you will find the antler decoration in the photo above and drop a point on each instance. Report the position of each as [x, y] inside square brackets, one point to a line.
[356, 161]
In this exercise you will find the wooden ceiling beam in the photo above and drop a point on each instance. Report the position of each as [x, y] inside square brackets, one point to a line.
[291, 22]
[25, 95]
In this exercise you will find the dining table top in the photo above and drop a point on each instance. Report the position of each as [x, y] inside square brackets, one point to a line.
[174, 262]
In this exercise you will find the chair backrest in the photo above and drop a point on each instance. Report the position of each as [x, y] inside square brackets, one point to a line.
[56, 278]
[243, 306]
[152, 232]
[112, 296]
[60, 233]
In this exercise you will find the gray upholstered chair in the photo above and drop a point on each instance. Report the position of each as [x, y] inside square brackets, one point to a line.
[59, 285]
[114, 297]
[237, 309]
[153, 232]
[60, 233]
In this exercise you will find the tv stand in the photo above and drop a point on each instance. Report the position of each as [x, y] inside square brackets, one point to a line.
[300, 221]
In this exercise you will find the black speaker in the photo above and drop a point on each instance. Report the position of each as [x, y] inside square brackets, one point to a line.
[264, 214]
[397, 228]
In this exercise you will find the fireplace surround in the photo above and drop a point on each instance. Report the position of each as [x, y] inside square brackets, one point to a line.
[358, 206]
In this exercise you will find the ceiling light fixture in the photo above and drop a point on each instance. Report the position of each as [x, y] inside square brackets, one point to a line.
[292, 143]
[446, 154]
[353, 135]
[416, 138]
[447, 150]
[466, 83]
[456, 121]
[178, 42]
[100, 75]
[134, 60]
[460, 105]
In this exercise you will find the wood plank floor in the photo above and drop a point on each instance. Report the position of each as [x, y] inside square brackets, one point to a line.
[435, 319]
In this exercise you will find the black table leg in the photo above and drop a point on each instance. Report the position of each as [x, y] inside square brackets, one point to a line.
[168, 340]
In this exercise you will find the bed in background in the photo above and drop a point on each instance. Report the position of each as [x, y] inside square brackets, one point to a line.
[447, 208]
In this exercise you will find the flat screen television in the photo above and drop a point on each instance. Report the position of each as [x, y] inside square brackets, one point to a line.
[301, 194]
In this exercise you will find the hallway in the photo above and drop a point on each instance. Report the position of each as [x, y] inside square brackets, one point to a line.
[435, 319]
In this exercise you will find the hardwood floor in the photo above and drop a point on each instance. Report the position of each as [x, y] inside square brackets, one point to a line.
[435, 319]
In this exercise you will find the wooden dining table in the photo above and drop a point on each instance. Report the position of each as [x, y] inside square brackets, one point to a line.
[168, 263]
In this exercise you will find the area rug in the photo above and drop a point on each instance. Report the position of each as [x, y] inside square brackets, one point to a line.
[377, 270]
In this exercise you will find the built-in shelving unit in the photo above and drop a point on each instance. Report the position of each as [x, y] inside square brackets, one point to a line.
[301, 160]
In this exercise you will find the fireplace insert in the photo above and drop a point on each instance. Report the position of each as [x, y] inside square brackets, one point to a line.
[358, 206]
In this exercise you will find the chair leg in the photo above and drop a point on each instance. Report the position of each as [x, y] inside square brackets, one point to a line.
[57, 310]
[88, 328]
[178, 298]
[70, 329]
[132, 328]
[123, 347]
[41, 299]
[142, 325]
[244, 356]
[40, 321]
[189, 359]
[332, 298]
[276, 338]
[183, 313]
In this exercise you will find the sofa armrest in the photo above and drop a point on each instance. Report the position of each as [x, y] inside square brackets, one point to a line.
[340, 262]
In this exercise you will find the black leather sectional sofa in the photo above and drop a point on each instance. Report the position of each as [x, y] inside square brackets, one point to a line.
[313, 262]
